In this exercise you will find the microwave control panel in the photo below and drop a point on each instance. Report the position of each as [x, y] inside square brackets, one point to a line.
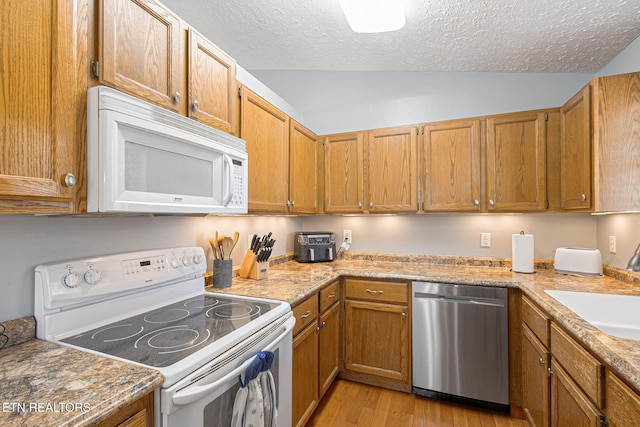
[238, 183]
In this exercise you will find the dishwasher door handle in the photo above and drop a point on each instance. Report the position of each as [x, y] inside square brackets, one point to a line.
[460, 300]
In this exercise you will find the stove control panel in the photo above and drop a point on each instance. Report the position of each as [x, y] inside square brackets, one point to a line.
[80, 281]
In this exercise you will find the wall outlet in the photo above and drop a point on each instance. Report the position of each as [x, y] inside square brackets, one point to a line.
[612, 244]
[346, 236]
[485, 240]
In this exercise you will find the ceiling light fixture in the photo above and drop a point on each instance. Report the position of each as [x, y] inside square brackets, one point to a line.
[373, 16]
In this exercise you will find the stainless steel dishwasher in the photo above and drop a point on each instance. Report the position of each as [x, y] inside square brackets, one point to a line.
[460, 343]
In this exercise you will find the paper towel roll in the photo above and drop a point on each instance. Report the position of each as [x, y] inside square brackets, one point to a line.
[522, 253]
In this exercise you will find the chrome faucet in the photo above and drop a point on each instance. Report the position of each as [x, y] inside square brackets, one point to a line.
[634, 262]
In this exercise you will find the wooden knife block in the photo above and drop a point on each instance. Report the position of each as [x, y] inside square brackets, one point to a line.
[252, 269]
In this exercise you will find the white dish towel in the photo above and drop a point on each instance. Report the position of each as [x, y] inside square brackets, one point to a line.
[255, 404]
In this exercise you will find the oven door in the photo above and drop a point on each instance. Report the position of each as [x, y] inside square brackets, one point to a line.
[205, 398]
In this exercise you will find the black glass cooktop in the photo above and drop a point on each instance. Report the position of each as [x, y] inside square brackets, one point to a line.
[168, 334]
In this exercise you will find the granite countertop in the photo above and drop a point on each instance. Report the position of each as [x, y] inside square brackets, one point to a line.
[293, 282]
[47, 384]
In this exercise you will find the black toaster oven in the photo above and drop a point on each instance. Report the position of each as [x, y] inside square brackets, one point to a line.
[314, 246]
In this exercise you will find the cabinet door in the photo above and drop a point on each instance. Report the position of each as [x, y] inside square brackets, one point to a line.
[569, 405]
[392, 170]
[343, 173]
[140, 50]
[575, 159]
[535, 379]
[329, 357]
[303, 169]
[212, 84]
[377, 339]
[623, 403]
[451, 168]
[516, 162]
[42, 105]
[305, 374]
[266, 131]
[616, 140]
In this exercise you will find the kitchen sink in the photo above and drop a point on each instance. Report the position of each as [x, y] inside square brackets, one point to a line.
[617, 315]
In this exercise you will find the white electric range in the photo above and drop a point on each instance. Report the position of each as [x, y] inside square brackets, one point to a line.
[150, 308]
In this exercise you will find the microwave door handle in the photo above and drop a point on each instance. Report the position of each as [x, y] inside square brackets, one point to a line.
[194, 392]
[229, 164]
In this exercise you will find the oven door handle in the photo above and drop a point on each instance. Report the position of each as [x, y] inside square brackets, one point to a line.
[194, 392]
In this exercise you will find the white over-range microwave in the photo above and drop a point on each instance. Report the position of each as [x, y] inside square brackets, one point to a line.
[146, 159]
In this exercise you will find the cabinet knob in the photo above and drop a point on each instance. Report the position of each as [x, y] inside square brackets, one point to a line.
[476, 202]
[370, 204]
[359, 204]
[404, 315]
[583, 197]
[177, 97]
[293, 202]
[491, 202]
[195, 105]
[288, 202]
[541, 361]
[70, 180]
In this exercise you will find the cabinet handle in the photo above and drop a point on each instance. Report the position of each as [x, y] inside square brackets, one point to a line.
[332, 295]
[196, 105]
[370, 204]
[70, 180]
[359, 204]
[177, 97]
[378, 292]
[541, 361]
[307, 314]
[549, 371]
[583, 197]
[476, 202]
[491, 202]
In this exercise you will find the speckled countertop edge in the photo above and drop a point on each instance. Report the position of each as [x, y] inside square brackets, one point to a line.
[294, 282]
[45, 383]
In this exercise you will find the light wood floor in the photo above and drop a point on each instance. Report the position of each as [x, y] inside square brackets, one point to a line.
[352, 404]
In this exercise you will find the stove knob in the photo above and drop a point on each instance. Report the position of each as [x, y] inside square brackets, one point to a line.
[92, 276]
[71, 280]
[186, 260]
[197, 259]
[175, 263]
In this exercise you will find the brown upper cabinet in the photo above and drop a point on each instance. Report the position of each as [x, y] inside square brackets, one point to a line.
[371, 172]
[212, 84]
[43, 106]
[343, 173]
[575, 152]
[391, 170]
[616, 130]
[141, 51]
[451, 166]
[148, 52]
[516, 162]
[266, 131]
[303, 169]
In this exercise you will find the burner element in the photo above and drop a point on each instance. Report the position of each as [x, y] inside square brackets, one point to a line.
[167, 315]
[234, 311]
[117, 332]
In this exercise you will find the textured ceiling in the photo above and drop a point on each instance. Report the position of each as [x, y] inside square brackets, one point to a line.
[532, 36]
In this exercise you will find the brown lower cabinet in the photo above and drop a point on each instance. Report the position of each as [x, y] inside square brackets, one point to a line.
[316, 350]
[563, 384]
[135, 414]
[377, 333]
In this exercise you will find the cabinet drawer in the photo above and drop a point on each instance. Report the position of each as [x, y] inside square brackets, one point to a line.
[623, 404]
[536, 320]
[329, 296]
[585, 370]
[377, 290]
[305, 313]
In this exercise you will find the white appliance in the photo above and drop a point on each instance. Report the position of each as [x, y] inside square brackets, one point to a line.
[150, 308]
[143, 158]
